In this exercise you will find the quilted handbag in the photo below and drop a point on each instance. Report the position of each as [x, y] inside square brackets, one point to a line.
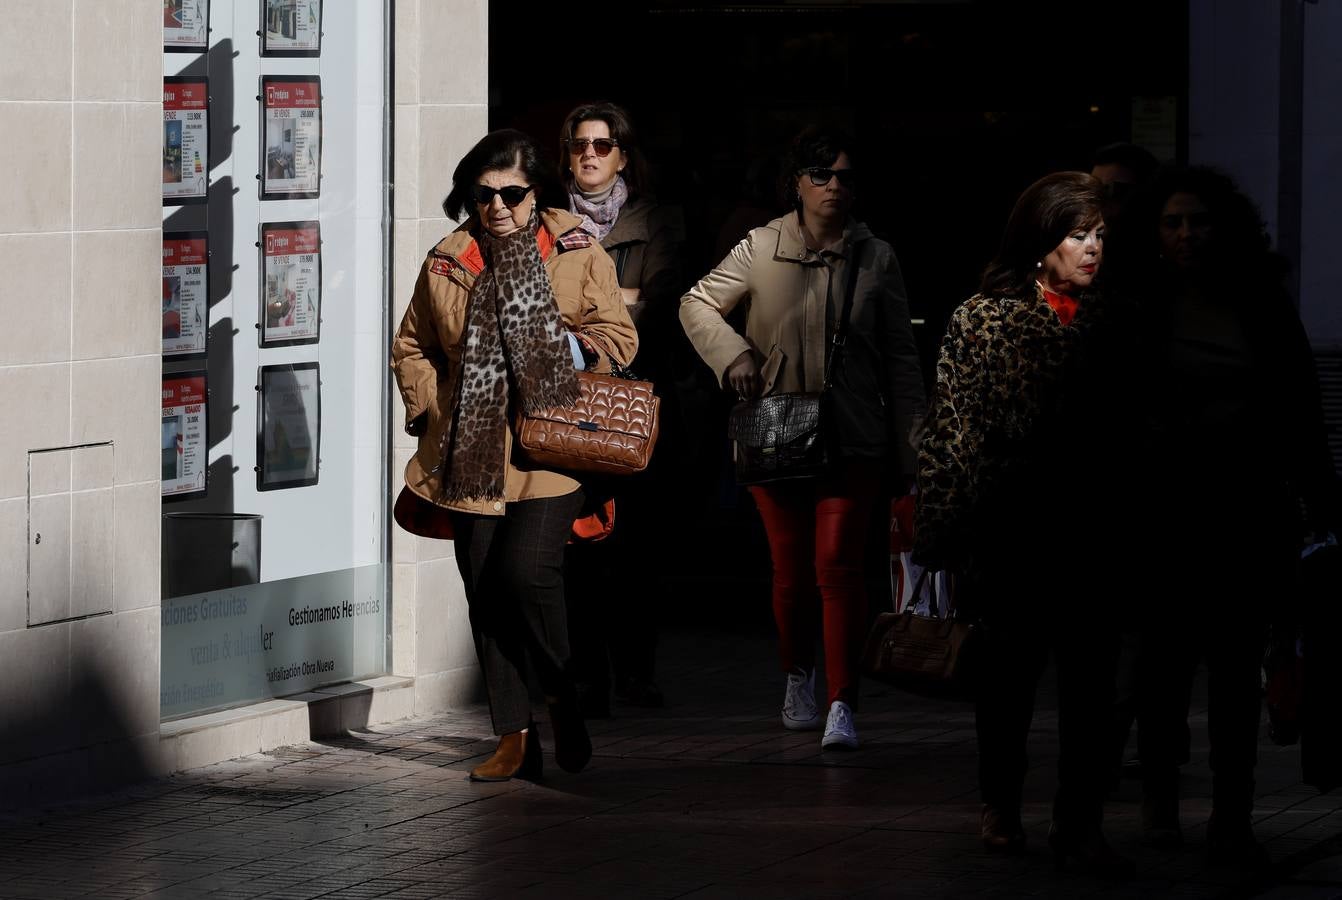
[784, 436]
[611, 430]
[929, 654]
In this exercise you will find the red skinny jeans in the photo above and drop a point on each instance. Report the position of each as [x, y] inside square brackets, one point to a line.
[817, 534]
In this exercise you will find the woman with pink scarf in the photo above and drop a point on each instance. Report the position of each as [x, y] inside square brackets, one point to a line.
[605, 174]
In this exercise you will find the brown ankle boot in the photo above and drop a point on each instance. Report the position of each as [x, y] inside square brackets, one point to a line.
[518, 755]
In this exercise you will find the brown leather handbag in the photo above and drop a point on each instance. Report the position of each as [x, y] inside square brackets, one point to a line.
[611, 430]
[924, 654]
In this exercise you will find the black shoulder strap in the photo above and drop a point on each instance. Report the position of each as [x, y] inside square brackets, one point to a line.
[841, 332]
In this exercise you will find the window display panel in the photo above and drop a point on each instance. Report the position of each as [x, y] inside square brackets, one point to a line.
[291, 288]
[186, 25]
[298, 441]
[291, 152]
[186, 293]
[186, 140]
[185, 435]
[292, 27]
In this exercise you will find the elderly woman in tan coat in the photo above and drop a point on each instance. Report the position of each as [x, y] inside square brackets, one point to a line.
[793, 274]
[505, 308]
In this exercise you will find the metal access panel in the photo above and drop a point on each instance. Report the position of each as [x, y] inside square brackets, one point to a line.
[71, 533]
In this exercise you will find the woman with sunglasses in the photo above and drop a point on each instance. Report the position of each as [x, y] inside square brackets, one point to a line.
[795, 273]
[603, 170]
[505, 308]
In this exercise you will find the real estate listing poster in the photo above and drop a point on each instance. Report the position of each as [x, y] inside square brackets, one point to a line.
[185, 443]
[186, 26]
[186, 140]
[291, 137]
[291, 283]
[186, 293]
[288, 438]
[291, 27]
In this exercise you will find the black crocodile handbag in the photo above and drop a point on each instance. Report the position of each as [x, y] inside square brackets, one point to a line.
[785, 436]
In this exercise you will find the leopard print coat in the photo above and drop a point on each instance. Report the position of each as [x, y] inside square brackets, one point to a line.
[996, 429]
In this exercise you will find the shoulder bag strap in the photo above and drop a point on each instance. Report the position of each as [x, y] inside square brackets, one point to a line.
[841, 332]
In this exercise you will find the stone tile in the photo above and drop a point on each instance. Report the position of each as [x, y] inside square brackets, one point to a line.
[35, 407]
[93, 528]
[40, 200]
[406, 46]
[139, 510]
[119, 400]
[405, 167]
[443, 640]
[403, 617]
[446, 133]
[14, 560]
[35, 51]
[36, 298]
[453, 52]
[118, 168]
[114, 664]
[118, 50]
[35, 692]
[114, 272]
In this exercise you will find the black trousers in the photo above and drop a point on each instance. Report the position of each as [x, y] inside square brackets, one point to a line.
[1021, 630]
[1232, 555]
[513, 569]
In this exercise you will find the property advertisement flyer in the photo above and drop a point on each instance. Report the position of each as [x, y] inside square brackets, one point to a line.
[292, 27]
[289, 426]
[291, 283]
[186, 293]
[186, 140]
[185, 445]
[291, 118]
[186, 26]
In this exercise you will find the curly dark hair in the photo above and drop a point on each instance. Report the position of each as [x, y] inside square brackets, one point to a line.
[1239, 251]
[812, 148]
[503, 149]
[1049, 210]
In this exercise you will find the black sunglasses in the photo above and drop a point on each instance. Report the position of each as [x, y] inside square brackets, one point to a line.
[821, 176]
[600, 146]
[512, 195]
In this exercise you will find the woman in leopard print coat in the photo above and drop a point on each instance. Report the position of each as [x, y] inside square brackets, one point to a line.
[1007, 502]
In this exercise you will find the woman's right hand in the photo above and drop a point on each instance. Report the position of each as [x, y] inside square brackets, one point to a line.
[743, 376]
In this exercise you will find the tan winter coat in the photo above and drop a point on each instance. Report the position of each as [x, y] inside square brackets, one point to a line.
[427, 350]
[795, 298]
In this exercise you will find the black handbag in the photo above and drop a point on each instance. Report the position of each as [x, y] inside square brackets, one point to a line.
[785, 436]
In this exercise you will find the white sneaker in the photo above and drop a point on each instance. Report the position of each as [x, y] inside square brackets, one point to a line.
[799, 710]
[839, 731]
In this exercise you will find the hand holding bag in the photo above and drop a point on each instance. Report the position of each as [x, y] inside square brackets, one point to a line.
[929, 654]
[785, 436]
[611, 430]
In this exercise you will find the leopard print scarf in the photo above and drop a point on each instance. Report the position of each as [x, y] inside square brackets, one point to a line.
[514, 338]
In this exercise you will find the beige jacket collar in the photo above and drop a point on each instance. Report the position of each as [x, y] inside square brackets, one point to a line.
[792, 243]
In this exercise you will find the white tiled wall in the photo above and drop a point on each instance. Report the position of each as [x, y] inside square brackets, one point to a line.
[80, 93]
[441, 49]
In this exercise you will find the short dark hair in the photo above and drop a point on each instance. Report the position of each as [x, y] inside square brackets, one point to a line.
[1140, 161]
[1049, 210]
[503, 149]
[621, 130]
[813, 148]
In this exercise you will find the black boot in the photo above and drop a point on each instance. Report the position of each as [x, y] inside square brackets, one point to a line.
[1160, 809]
[573, 746]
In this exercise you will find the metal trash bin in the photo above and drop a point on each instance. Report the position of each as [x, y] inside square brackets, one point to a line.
[210, 551]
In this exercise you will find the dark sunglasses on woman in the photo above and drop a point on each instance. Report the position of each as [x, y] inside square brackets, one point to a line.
[600, 146]
[821, 176]
[512, 195]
